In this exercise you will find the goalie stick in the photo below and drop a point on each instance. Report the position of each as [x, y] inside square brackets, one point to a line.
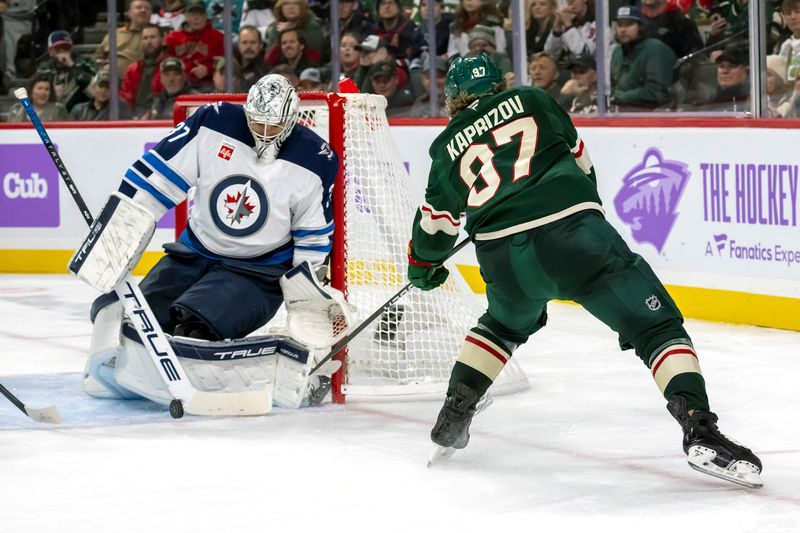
[48, 414]
[339, 346]
[186, 397]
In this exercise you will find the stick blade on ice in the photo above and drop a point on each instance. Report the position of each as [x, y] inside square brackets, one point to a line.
[48, 415]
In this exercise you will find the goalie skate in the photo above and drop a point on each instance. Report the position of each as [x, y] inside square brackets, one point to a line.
[451, 431]
[711, 452]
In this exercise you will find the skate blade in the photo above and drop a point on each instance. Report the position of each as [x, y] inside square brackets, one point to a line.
[742, 473]
[441, 455]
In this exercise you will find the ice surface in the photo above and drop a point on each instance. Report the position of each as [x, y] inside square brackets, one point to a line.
[590, 447]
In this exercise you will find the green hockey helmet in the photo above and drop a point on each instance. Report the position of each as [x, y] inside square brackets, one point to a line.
[472, 75]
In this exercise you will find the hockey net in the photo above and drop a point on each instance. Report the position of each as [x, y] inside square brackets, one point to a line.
[409, 350]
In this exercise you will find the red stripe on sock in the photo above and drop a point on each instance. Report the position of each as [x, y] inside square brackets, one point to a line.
[480, 343]
[673, 352]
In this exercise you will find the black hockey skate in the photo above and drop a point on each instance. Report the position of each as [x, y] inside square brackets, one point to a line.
[451, 431]
[711, 452]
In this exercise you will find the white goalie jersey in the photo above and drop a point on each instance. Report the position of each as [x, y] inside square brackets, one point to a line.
[265, 212]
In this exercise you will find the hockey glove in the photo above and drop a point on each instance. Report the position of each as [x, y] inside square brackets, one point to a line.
[426, 276]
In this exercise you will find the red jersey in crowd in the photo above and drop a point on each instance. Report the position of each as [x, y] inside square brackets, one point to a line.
[196, 48]
[133, 78]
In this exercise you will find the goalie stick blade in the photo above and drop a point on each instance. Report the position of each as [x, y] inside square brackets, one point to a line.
[48, 415]
[441, 455]
[251, 403]
[741, 473]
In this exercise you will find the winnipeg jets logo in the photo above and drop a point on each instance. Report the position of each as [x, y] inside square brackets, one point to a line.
[239, 205]
[326, 151]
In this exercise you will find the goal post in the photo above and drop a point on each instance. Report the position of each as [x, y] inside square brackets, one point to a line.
[409, 351]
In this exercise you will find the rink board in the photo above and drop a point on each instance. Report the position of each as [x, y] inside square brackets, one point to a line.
[711, 204]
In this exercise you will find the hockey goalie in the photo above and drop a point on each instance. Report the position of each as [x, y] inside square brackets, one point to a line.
[258, 235]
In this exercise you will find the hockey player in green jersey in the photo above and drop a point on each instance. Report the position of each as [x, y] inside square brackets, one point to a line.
[511, 160]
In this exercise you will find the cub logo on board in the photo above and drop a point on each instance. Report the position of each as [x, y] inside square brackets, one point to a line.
[28, 187]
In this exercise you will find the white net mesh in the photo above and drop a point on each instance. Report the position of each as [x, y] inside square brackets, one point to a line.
[410, 350]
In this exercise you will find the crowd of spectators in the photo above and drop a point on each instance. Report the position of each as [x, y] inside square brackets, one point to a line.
[665, 55]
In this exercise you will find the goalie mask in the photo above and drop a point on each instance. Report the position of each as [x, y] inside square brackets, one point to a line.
[271, 109]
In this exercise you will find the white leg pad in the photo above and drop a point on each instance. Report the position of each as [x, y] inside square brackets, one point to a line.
[250, 369]
[238, 375]
[136, 372]
[291, 383]
[106, 346]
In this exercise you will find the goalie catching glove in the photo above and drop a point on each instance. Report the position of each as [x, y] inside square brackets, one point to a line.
[317, 316]
[115, 242]
[424, 275]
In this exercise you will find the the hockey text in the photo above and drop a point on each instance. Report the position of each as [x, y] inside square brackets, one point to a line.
[754, 194]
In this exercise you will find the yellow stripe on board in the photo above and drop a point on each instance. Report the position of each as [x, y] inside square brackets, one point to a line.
[704, 304]
[737, 307]
[708, 304]
[55, 261]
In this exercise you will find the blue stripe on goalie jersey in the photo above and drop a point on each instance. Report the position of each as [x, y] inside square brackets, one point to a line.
[140, 183]
[306, 232]
[321, 248]
[222, 117]
[162, 168]
[279, 255]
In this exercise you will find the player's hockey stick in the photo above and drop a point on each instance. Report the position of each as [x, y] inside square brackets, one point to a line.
[339, 346]
[186, 397]
[45, 414]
